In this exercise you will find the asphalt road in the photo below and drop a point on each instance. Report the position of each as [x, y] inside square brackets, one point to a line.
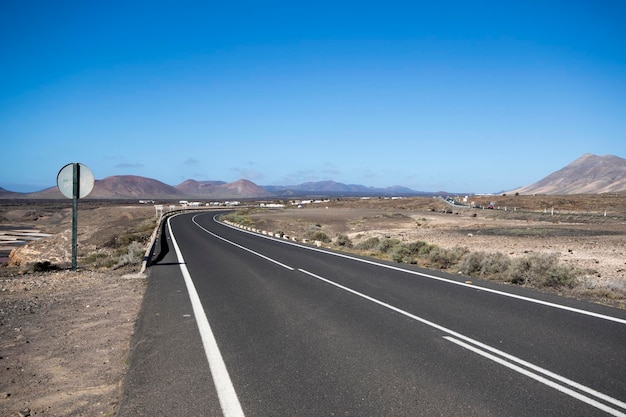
[238, 324]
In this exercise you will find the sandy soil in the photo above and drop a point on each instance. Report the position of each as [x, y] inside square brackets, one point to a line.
[65, 335]
[64, 338]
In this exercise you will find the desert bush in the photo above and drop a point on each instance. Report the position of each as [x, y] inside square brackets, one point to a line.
[99, 259]
[369, 243]
[484, 264]
[471, 264]
[94, 257]
[44, 266]
[343, 240]
[139, 233]
[445, 258]
[133, 255]
[408, 252]
[542, 270]
[559, 276]
[318, 235]
[387, 245]
[239, 217]
[402, 253]
[420, 248]
[495, 264]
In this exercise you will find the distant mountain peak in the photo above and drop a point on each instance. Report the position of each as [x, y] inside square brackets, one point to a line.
[589, 174]
[219, 190]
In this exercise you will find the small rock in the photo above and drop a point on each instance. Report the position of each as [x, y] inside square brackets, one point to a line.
[24, 413]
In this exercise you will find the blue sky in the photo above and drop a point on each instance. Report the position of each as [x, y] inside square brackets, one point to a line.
[461, 96]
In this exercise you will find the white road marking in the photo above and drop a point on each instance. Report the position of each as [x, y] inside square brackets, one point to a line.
[241, 247]
[223, 384]
[494, 350]
[449, 281]
[541, 379]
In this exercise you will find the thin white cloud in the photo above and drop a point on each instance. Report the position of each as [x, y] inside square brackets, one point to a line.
[301, 176]
[331, 169]
[129, 165]
[248, 174]
[200, 176]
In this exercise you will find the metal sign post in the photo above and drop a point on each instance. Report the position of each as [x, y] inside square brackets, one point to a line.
[75, 194]
[75, 181]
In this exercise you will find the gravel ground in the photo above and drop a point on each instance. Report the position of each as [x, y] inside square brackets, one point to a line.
[64, 338]
[65, 335]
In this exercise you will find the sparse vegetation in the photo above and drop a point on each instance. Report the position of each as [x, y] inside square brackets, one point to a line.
[445, 258]
[387, 245]
[132, 256]
[542, 270]
[120, 249]
[484, 264]
[343, 240]
[129, 255]
[318, 235]
[44, 266]
[534, 270]
[99, 260]
[239, 217]
[369, 243]
[530, 266]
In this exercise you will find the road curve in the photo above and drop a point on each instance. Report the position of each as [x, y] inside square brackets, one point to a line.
[238, 324]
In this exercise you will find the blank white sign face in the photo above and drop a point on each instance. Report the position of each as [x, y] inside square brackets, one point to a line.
[65, 181]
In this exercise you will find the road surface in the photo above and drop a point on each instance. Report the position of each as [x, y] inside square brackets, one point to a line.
[237, 324]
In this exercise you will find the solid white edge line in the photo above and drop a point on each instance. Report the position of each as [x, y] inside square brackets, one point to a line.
[193, 219]
[538, 378]
[223, 384]
[449, 281]
[560, 378]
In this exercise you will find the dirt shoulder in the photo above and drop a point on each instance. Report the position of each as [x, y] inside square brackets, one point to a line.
[64, 340]
[65, 335]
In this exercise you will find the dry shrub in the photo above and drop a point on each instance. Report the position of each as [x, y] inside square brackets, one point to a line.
[368, 244]
[387, 245]
[319, 236]
[445, 258]
[484, 264]
[343, 240]
[542, 270]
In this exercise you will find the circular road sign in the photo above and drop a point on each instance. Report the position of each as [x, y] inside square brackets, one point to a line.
[65, 181]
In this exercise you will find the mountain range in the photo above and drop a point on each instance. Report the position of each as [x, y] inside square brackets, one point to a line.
[136, 187]
[589, 174]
